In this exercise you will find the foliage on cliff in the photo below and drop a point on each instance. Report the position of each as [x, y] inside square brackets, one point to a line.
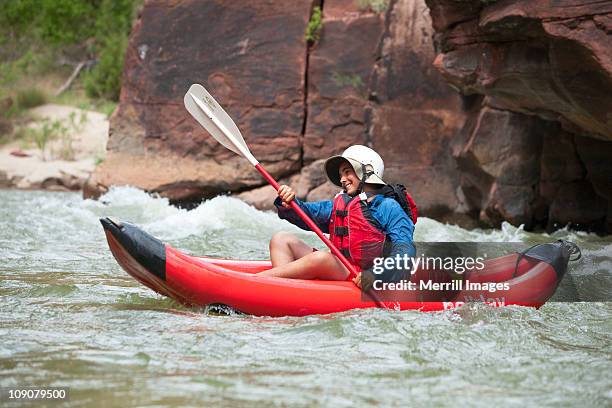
[313, 30]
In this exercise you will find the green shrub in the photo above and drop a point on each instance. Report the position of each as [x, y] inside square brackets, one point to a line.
[6, 105]
[77, 125]
[112, 29]
[41, 136]
[115, 16]
[48, 130]
[104, 80]
[19, 15]
[29, 26]
[343, 80]
[313, 30]
[56, 22]
[66, 151]
[67, 21]
[30, 98]
[6, 131]
[106, 107]
[377, 6]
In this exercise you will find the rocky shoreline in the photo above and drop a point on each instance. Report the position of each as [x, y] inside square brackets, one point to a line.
[68, 159]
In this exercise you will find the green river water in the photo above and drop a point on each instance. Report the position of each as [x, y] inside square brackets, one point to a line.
[72, 318]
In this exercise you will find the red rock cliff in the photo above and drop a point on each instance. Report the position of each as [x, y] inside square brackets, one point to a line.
[526, 138]
[537, 146]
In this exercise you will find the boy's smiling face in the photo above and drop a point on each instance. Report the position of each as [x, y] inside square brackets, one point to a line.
[348, 178]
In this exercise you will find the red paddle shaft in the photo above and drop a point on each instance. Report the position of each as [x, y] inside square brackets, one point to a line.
[313, 227]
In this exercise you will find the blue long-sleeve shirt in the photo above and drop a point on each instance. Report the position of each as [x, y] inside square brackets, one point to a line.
[396, 225]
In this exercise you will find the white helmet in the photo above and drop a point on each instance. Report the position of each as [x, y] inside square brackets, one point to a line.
[364, 160]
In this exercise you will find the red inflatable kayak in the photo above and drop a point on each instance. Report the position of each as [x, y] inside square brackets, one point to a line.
[531, 277]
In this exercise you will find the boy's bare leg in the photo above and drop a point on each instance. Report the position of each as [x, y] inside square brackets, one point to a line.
[316, 265]
[286, 247]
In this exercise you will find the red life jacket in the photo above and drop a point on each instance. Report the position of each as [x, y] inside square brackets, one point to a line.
[356, 233]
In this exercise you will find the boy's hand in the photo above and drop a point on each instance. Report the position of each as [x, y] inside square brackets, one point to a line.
[365, 283]
[286, 194]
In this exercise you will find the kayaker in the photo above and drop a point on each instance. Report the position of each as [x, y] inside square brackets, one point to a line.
[377, 224]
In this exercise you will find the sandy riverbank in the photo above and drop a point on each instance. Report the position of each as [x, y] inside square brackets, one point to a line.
[69, 158]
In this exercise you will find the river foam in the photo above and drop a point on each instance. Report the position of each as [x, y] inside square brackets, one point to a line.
[73, 318]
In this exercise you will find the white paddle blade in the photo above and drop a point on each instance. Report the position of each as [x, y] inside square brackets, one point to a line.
[207, 111]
